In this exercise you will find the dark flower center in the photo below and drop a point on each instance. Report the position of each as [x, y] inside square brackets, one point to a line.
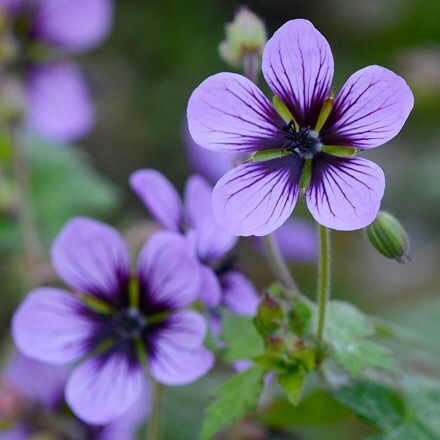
[129, 324]
[304, 142]
[227, 264]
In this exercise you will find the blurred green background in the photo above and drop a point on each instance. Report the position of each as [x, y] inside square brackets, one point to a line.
[142, 77]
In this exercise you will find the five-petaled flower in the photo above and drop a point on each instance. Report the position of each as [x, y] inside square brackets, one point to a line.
[114, 320]
[228, 113]
[296, 238]
[59, 106]
[222, 283]
[38, 391]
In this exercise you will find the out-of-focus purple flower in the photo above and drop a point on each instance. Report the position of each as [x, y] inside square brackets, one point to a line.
[221, 282]
[40, 387]
[59, 102]
[113, 320]
[228, 113]
[37, 381]
[49, 88]
[72, 25]
[297, 239]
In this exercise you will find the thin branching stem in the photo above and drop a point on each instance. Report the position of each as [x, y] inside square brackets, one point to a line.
[30, 239]
[323, 289]
[277, 264]
[154, 431]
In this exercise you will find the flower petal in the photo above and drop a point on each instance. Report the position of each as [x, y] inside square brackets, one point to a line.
[73, 25]
[159, 197]
[345, 192]
[239, 294]
[39, 382]
[53, 326]
[210, 290]
[92, 258]
[212, 241]
[227, 112]
[60, 107]
[370, 109]
[210, 164]
[126, 426]
[103, 388]
[168, 273]
[11, 6]
[177, 355]
[298, 66]
[258, 197]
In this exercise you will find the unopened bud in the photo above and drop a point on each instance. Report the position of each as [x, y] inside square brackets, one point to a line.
[389, 238]
[270, 315]
[245, 35]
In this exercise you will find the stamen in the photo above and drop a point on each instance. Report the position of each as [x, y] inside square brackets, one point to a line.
[304, 142]
[129, 324]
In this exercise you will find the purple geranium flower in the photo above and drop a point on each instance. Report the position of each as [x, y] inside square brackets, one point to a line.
[114, 319]
[228, 113]
[40, 389]
[296, 238]
[221, 282]
[58, 98]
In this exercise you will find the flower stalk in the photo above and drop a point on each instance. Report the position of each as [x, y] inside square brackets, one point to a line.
[277, 264]
[251, 66]
[30, 239]
[323, 289]
[155, 422]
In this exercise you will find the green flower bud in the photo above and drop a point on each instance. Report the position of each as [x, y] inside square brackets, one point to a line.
[245, 35]
[270, 315]
[389, 238]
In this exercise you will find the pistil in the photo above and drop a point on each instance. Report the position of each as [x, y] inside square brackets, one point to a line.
[303, 142]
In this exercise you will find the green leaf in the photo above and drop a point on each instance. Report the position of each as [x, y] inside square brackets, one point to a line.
[404, 432]
[316, 409]
[243, 341]
[356, 356]
[374, 403]
[299, 317]
[292, 382]
[64, 184]
[412, 415]
[234, 399]
[291, 366]
[347, 330]
[423, 402]
[271, 360]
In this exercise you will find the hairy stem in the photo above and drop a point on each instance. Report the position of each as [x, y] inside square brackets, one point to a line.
[277, 264]
[323, 289]
[155, 422]
[251, 66]
[30, 240]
